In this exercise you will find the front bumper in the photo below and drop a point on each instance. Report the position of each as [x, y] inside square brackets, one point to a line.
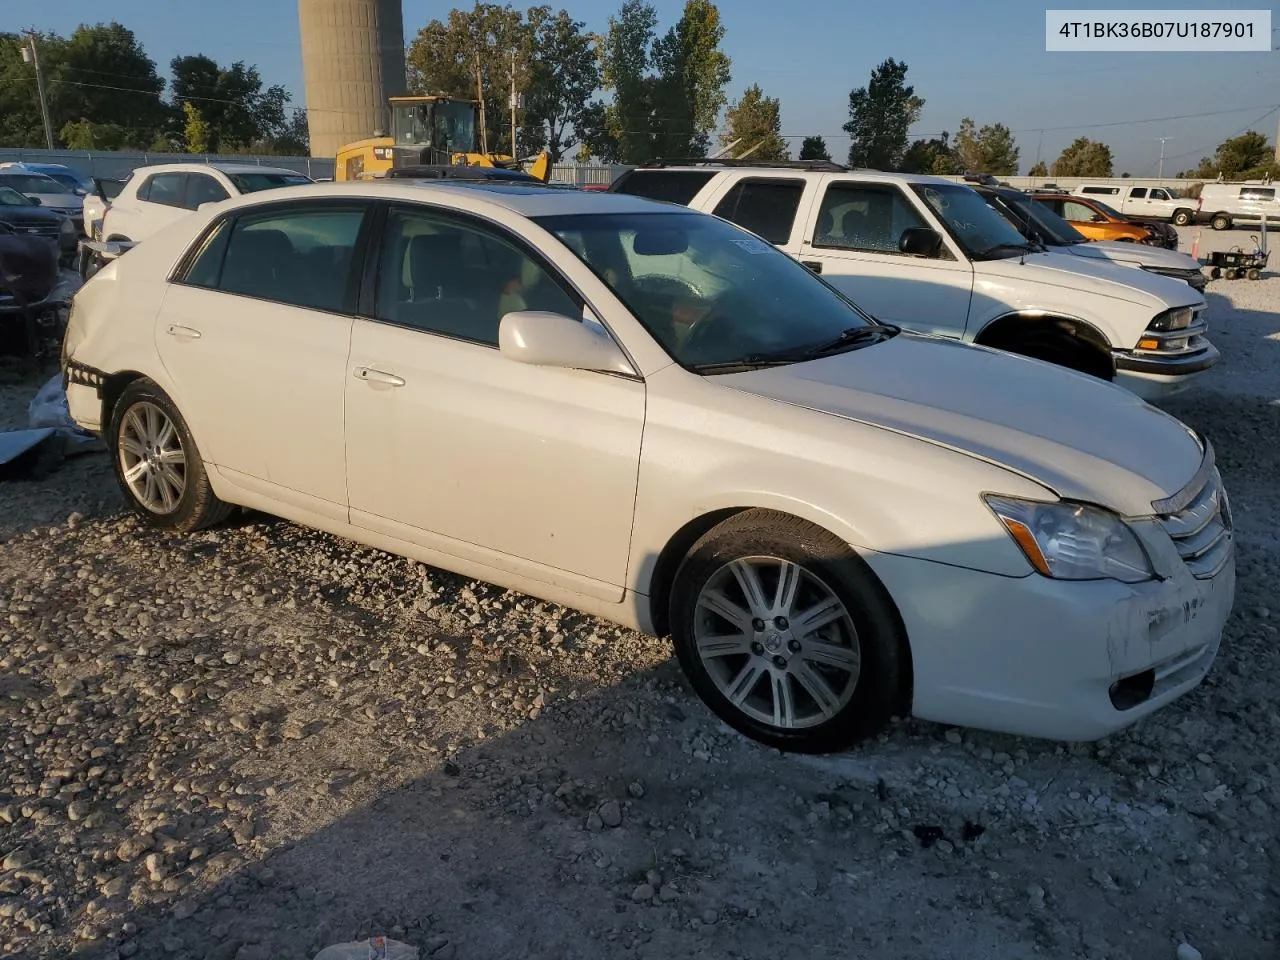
[1153, 377]
[1043, 658]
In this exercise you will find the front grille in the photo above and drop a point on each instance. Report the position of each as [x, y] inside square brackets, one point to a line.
[1201, 530]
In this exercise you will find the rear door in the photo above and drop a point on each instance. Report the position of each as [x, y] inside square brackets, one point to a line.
[158, 202]
[851, 238]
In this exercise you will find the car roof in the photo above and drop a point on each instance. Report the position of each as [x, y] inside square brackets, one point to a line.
[228, 168]
[525, 199]
[789, 172]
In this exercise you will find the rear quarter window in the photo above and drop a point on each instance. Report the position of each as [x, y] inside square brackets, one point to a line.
[670, 186]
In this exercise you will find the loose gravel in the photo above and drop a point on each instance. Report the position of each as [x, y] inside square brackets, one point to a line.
[259, 740]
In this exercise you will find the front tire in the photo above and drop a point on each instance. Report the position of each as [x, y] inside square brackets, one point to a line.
[1182, 218]
[786, 634]
[157, 463]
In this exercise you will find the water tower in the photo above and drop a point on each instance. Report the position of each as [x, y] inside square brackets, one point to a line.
[352, 60]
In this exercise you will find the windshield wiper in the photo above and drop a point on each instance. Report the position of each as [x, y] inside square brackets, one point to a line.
[992, 253]
[755, 361]
[853, 337]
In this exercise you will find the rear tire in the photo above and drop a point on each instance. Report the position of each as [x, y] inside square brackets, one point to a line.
[1220, 221]
[1253, 273]
[157, 463]
[787, 635]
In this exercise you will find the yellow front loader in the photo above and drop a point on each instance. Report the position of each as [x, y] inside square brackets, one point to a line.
[429, 131]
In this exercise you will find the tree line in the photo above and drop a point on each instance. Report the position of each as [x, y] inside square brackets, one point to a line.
[630, 94]
[105, 93]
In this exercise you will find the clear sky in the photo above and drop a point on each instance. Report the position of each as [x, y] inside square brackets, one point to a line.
[985, 60]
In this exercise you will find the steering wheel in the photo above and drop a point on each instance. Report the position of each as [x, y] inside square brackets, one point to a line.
[702, 333]
[654, 285]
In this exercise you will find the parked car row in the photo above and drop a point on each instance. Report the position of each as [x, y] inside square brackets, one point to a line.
[34, 203]
[938, 257]
[1221, 205]
[659, 417]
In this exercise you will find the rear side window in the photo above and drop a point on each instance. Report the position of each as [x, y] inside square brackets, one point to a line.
[304, 257]
[206, 263]
[765, 207]
[1257, 193]
[1101, 191]
[1138, 193]
[671, 186]
[167, 188]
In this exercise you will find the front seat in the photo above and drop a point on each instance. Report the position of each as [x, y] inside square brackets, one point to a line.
[438, 296]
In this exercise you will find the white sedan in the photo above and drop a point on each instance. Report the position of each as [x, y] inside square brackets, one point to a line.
[648, 414]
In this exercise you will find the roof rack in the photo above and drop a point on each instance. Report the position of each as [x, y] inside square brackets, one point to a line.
[828, 166]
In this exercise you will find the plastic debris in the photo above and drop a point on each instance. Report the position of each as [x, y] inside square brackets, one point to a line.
[375, 948]
[49, 409]
[25, 453]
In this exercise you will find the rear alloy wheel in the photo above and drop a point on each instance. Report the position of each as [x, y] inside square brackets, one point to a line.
[785, 633]
[157, 464]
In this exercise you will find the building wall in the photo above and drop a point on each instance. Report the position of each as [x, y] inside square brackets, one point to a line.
[353, 56]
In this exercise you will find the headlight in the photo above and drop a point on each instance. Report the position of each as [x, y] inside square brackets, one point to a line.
[1176, 319]
[1071, 541]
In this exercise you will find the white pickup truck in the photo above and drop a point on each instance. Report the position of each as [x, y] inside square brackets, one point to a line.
[1151, 203]
[931, 256]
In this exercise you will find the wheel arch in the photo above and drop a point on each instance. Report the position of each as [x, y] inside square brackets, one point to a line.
[662, 578]
[1009, 326]
[113, 386]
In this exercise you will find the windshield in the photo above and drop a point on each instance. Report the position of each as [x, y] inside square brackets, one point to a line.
[32, 183]
[709, 292]
[1051, 227]
[70, 181]
[253, 182]
[440, 124]
[984, 234]
[12, 198]
[1115, 215]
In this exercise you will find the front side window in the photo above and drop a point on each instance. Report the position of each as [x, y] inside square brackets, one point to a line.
[710, 293]
[202, 188]
[12, 198]
[765, 207]
[1080, 213]
[459, 280]
[982, 232]
[866, 217]
[668, 186]
[166, 188]
[303, 256]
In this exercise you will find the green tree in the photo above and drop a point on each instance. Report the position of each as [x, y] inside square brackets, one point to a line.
[880, 114]
[102, 74]
[470, 52]
[564, 75]
[990, 149]
[1246, 157]
[239, 112]
[195, 129]
[930, 156]
[1038, 170]
[756, 122]
[692, 74]
[1084, 158]
[814, 148]
[621, 131]
[84, 135]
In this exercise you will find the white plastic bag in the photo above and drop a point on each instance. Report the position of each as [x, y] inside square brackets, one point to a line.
[375, 948]
[48, 408]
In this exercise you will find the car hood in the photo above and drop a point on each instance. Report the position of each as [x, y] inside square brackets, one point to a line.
[28, 216]
[58, 201]
[1086, 275]
[1082, 438]
[1140, 253]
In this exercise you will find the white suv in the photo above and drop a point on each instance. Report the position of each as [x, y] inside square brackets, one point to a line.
[156, 196]
[930, 255]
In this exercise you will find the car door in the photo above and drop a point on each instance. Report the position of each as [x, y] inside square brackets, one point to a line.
[157, 203]
[254, 335]
[454, 446]
[852, 237]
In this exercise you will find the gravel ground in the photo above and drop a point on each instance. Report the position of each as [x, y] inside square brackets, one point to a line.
[257, 741]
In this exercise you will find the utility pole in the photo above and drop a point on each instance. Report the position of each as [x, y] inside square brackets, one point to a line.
[31, 55]
[514, 103]
[1160, 174]
[484, 134]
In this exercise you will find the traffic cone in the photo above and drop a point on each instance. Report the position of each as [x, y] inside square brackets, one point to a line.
[1195, 246]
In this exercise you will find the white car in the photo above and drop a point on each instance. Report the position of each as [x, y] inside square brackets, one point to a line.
[154, 197]
[1153, 203]
[655, 417]
[930, 255]
[1223, 205]
[49, 192]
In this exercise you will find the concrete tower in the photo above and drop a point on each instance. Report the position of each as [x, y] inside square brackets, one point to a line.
[352, 60]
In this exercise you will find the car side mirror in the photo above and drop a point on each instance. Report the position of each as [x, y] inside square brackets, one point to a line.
[554, 340]
[920, 242]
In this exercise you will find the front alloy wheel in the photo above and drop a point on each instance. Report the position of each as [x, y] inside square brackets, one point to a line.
[777, 642]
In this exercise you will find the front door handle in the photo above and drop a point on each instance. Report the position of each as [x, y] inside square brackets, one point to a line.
[371, 375]
[179, 331]
[814, 265]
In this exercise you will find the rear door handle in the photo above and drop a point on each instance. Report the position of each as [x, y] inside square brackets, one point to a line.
[814, 265]
[178, 330]
[371, 375]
